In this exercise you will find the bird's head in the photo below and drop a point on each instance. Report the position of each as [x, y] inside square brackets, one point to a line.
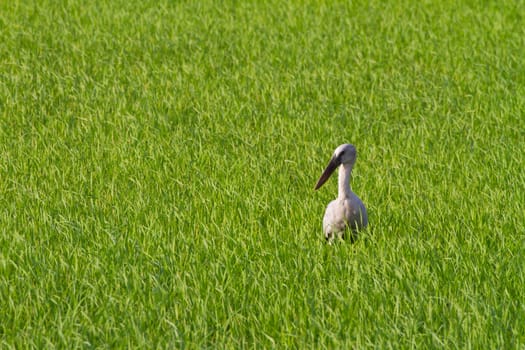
[344, 154]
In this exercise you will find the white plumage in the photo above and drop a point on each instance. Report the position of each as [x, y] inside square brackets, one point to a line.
[347, 212]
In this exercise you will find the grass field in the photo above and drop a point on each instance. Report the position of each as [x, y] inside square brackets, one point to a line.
[158, 159]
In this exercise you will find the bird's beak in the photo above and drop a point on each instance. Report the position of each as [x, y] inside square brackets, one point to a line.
[334, 163]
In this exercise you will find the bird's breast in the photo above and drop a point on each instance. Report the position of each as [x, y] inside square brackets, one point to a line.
[343, 213]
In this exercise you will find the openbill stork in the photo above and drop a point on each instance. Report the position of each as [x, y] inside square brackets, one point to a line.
[347, 212]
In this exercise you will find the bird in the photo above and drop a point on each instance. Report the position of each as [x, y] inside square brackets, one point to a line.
[347, 212]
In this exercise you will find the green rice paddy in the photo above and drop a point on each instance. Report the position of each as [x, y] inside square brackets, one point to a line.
[158, 159]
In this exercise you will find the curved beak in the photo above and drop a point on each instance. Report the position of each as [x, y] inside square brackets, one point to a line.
[334, 163]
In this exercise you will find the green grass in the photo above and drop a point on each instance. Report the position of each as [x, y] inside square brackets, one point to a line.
[158, 159]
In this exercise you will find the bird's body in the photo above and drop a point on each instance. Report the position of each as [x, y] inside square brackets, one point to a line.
[347, 211]
[342, 214]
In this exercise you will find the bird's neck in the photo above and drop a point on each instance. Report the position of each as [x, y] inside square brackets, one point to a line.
[345, 171]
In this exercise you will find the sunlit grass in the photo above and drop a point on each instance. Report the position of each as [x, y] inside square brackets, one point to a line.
[157, 164]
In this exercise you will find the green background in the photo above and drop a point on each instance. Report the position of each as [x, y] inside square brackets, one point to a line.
[158, 159]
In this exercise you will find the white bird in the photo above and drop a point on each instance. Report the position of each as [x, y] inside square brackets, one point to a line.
[347, 211]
